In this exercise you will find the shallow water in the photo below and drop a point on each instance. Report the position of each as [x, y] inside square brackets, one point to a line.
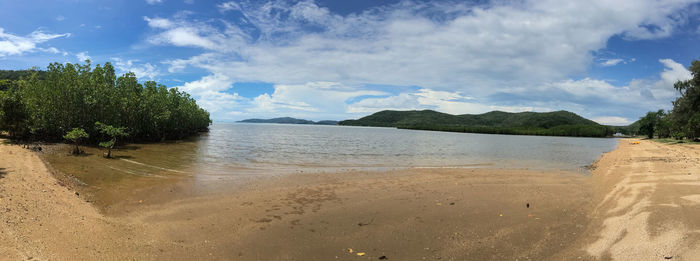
[290, 147]
[237, 151]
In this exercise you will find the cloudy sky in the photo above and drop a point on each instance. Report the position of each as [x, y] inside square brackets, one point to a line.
[610, 61]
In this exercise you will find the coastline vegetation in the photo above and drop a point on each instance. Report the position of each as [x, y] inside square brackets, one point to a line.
[558, 123]
[681, 122]
[46, 105]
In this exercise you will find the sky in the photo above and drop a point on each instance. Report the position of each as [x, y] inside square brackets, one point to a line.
[609, 61]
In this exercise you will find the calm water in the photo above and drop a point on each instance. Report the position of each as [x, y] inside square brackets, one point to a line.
[232, 150]
[239, 152]
[296, 147]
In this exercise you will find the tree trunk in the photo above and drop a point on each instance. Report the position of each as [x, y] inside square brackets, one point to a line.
[109, 150]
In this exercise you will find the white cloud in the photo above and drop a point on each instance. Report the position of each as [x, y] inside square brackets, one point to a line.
[196, 34]
[215, 83]
[82, 56]
[404, 44]
[674, 72]
[328, 97]
[60, 18]
[153, 2]
[156, 22]
[16, 45]
[448, 102]
[611, 62]
[474, 51]
[615, 61]
[603, 100]
[612, 120]
[142, 71]
[228, 6]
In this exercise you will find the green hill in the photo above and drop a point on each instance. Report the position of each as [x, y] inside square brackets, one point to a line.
[558, 123]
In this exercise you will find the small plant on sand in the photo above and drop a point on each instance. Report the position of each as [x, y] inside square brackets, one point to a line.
[76, 136]
[113, 133]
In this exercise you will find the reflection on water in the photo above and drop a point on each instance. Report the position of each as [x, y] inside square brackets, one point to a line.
[236, 150]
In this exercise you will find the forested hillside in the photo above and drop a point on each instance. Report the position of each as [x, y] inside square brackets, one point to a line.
[558, 123]
[45, 105]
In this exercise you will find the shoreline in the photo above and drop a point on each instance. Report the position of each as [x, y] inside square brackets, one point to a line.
[404, 214]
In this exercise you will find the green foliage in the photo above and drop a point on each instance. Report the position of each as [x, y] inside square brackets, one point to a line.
[44, 104]
[9, 78]
[113, 133]
[685, 116]
[110, 130]
[559, 123]
[653, 123]
[13, 115]
[684, 120]
[76, 135]
[107, 144]
[679, 135]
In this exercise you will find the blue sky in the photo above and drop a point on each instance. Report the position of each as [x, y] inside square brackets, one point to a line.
[610, 61]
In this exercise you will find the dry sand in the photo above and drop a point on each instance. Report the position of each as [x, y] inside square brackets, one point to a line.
[642, 202]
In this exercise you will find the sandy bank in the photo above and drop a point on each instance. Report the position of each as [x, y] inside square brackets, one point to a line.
[647, 198]
[639, 203]
[42, 220]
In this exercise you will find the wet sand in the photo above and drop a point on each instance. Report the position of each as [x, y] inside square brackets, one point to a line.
[641, 202]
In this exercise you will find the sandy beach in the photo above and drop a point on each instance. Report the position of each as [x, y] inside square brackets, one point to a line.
[641, 202]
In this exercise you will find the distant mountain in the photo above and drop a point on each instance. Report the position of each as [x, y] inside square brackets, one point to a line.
[289, 120]
[558, 123]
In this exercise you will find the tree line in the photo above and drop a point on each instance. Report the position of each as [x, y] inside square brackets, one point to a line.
[681, 122]
[47, 105]
[578, 130]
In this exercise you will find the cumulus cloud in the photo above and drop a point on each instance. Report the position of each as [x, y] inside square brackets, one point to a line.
[444, 101]
[16, 45]
[153, 2]
[196, 34]
[158, 22]
[470, 50]
[674, 72]
[329, 97]
[427, 44]
[605, 101]
[144, 70]
[82, 56]
[612, 120]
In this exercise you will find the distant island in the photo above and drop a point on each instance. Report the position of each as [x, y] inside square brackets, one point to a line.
[557, 123]
[289, 120]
